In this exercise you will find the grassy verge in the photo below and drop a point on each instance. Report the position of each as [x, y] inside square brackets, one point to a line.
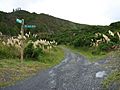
[11, 70]
[87, 52]
[114, 77]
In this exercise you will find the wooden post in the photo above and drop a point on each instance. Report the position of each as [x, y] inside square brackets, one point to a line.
[22, 40]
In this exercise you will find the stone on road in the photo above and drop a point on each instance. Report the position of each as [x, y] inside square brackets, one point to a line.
[73, 73]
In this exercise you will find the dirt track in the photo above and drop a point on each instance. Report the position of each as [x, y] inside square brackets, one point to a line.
[73, 73]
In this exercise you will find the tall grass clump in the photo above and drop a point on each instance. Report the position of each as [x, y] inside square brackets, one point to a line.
[8, 52]
[33, 48]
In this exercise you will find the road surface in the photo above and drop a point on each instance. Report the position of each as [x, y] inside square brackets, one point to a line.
[73, 73]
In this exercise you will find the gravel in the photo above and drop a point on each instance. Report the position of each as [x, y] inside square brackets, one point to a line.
[73, 73]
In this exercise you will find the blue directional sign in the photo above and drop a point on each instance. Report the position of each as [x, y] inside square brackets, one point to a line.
[29, 26]
[19, 21]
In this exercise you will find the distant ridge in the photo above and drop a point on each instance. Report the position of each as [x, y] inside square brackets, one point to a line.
[49, 26]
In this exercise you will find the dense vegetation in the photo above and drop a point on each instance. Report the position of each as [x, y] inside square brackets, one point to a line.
[51, 28]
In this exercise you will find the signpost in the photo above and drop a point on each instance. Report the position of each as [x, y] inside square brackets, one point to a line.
[19, 21]
[29, 26]
[22, 35]
[22, 42]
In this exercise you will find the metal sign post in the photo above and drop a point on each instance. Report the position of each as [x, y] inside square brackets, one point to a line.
[22, 35]
[22, 40]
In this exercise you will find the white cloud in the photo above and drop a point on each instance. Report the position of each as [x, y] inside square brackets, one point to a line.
[82, 11]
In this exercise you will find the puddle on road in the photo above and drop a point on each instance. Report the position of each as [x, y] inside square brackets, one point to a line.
[100, 74]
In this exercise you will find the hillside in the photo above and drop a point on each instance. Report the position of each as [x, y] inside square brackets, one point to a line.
[49, 27]
[45, 23]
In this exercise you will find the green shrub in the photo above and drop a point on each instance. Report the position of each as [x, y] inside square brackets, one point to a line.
[114, 39]
[78, 42]
[31, 52]
[8, 52]
[106, 46]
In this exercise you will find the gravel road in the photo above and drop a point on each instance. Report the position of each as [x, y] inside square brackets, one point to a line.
[73, 73]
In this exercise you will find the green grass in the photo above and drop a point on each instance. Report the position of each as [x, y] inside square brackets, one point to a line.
[113, 77]
[53, 57]
[12, 70]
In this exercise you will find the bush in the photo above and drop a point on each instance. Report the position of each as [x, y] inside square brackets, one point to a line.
[8, 52]
[31, 52]
[106, 46]
[78, 42]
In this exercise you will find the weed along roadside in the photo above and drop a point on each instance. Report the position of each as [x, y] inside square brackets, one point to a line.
[11, 70]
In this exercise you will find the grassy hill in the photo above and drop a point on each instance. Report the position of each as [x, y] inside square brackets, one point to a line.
[44, 23]
[49, 27]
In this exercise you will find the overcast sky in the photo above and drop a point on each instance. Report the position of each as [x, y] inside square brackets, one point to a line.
[93, 12]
